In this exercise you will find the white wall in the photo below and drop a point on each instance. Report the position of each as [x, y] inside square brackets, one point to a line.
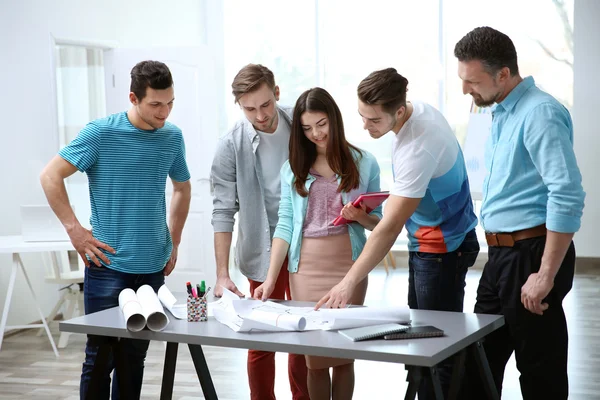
[28, 134]
[586, 103]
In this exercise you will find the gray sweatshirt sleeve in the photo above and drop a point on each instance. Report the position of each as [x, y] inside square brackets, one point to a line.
[224, 185]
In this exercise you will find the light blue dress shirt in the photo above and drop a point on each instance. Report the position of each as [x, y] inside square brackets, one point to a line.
[532, 173]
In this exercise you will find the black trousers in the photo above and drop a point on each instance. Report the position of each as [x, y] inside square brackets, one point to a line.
[540, 342]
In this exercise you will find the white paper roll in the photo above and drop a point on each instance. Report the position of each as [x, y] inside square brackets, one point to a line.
[132, 310]
[283, 320]
[153, 311]
[354, 317]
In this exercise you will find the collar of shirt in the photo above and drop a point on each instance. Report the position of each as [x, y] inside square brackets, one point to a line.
[515, 95]
[253, 134]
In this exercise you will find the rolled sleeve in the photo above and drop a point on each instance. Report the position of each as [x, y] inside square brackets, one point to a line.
[284, 227]
[224, 186]
[548, 139]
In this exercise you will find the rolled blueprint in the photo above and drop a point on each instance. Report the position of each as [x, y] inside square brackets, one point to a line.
[153, 311]
[354, 317]
[132, 310]
[280, 320]
[167, 299]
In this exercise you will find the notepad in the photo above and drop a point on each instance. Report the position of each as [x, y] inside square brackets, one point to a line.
[372, 332]
[415, 332]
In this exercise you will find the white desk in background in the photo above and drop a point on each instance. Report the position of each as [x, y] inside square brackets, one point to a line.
[16, 246]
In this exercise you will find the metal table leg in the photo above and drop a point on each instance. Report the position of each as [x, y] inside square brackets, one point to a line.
[485, 372]
[16, 264]
[166, 391]
[203, 373]
[457, 372]
[415, 374]
[437, 385]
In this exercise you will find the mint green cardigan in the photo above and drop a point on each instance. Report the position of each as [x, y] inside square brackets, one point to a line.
[292, 207]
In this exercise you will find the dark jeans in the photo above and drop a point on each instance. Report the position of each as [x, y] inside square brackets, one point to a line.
[437, 282]
[101, 291]
[540, 342]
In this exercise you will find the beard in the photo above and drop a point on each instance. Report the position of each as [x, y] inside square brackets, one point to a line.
[482, 102]
[386, 130]
[272, 121]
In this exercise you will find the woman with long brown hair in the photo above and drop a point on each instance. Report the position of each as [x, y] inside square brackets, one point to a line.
[323, 176]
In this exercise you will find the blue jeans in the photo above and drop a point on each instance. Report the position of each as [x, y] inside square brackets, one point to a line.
[101, 291]
[437, 282]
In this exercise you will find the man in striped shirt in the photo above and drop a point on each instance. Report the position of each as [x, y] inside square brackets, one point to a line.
[127, 158]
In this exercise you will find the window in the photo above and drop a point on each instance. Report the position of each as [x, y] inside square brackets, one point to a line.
[81, 98]
[336, 43]
[278, 34]
[542, 32]
[79, 88]
[365, 38]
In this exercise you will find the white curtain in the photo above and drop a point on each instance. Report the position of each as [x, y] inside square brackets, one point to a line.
[80, 89]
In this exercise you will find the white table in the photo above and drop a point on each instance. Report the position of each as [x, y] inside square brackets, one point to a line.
[16, 246]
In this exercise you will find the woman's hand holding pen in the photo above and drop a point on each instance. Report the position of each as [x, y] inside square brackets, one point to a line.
[264, 290]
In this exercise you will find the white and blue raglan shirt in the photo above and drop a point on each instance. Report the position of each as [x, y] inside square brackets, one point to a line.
[428, 163]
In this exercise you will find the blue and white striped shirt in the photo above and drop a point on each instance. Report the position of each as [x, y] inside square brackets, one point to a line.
[127, 169]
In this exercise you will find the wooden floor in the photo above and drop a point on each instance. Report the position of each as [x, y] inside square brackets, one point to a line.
[29, 369]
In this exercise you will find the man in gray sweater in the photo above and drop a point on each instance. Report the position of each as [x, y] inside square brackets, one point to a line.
[245, 179]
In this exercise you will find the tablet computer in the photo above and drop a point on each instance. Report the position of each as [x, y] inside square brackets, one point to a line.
[370, 200]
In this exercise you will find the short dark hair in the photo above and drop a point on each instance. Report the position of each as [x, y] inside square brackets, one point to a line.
[153, 74]
[386, 88]
[250, 78]
[303, 152]
[493, 48]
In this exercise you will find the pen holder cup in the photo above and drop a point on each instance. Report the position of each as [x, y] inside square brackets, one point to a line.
[196, 309]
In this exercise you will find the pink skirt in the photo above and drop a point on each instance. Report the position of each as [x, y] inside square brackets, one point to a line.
[324, 262]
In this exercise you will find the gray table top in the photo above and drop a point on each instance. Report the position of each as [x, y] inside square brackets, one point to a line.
[460, 330]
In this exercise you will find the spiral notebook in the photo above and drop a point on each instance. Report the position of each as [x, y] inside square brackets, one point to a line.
[415, 332]
[372, 332]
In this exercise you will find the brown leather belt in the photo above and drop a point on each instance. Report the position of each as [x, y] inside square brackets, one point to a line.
[509, 239]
